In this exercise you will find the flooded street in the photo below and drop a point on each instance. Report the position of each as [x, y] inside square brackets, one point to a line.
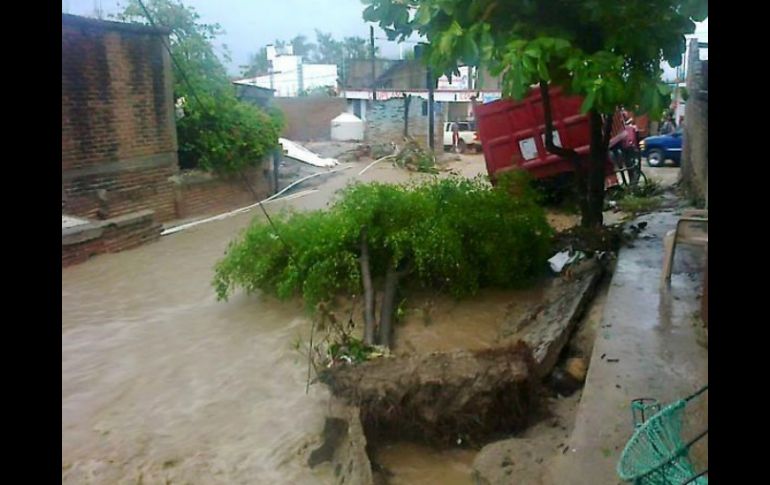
[163, 384]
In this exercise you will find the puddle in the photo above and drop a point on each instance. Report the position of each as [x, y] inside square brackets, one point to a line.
[412, 464]
[441, 324]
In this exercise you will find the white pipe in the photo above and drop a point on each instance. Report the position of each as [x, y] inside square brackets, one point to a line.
[376, 161]
[272, 198]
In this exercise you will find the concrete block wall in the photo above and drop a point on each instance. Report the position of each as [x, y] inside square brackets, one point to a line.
[119, 142]
[385, 122]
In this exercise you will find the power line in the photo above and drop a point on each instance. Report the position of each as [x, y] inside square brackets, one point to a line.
[218, 134]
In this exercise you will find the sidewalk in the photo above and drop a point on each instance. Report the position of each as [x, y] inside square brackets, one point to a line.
[653, 337]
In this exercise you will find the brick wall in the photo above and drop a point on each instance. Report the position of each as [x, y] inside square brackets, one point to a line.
[385, 122]
[105, 195]
[117, 234]
[118, 130]
[309, 118]
[202, 194]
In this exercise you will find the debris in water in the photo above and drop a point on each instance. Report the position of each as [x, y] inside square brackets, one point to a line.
[298, 152]
[563, 259]
[613, 360]
[576, 368]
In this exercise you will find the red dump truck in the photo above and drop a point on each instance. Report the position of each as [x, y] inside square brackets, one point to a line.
[512, 135]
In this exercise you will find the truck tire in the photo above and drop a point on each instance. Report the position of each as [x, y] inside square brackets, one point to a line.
[656, 158]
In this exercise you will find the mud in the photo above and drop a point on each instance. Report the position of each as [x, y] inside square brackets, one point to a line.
[443, 399]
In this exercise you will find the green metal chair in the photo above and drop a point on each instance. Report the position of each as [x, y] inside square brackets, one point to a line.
[657, 454]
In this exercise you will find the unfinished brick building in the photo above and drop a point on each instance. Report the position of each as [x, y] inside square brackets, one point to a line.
[119, 144]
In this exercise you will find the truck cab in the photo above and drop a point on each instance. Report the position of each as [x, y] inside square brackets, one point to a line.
[658, 149]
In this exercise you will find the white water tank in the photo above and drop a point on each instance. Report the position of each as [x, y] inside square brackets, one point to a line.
[347, 127]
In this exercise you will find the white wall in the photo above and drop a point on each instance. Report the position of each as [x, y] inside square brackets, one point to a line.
[286, 76]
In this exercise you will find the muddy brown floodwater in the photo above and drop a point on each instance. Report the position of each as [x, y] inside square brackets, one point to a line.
[411, 464]
[163, 384]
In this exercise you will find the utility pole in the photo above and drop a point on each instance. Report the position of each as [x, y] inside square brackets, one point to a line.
[431, 136]
[374, 76]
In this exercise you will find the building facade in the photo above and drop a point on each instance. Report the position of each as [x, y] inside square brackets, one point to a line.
[119, 144]
[289, 76]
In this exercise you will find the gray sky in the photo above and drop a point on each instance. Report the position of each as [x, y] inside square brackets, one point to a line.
[251, 24]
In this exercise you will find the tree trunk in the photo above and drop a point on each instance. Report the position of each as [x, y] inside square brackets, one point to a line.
[388, 306]
[366, 279]
[600, 130]
[581, 186]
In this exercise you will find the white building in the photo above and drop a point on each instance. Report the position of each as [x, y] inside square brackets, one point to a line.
[289, 76]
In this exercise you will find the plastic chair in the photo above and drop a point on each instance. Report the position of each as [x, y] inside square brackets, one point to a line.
[692, 229]
[657, 454]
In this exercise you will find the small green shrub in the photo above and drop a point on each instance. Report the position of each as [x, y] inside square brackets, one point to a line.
[638, 205]
[455, 235]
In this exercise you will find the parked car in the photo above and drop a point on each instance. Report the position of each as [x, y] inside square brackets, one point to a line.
[468, 136]
[658, 149]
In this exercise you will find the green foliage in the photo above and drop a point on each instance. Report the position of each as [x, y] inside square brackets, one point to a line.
[257, 64]
[332, 51]
[607, 51]
[640, 198]
[635, 205]
[218, 133]
[351, 350]
[225, 135]
[649, 189]
[456, 236]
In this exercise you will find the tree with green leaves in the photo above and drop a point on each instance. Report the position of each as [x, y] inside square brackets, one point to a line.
[301, 47]
[257, 65]
[607, 51]
[329, 50]
[217, 133]
[446, 235]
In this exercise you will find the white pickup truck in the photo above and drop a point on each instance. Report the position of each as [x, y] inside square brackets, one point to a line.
[468, 136]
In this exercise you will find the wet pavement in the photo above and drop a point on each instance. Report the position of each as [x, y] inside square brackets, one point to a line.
[647, 346]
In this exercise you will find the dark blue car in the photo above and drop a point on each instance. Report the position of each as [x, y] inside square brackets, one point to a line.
[658, 149]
